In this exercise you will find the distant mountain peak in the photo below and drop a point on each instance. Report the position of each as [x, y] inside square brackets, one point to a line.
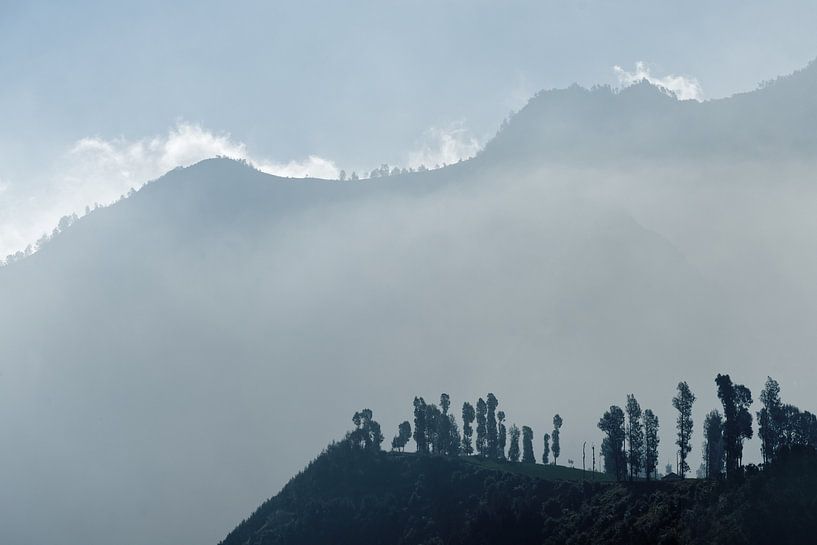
[646, 121]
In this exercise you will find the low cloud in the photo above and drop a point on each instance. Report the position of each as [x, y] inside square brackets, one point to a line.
[98, 170]
[312, 167]
[444, 146]
[134, 163]
[682, 87]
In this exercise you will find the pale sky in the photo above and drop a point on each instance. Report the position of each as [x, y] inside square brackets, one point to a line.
[98, 97]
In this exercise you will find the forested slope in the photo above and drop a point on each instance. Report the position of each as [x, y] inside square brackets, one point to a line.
[349, 495]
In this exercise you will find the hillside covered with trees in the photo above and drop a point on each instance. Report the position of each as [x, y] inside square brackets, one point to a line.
[466, 488]
[350, 495]
[629, 448]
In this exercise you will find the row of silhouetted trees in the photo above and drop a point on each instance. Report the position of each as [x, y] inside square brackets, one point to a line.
[383, 171]
[630, 445]
[780, 426]
[436, 432]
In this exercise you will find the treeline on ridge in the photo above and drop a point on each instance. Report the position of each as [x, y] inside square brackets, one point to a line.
[629, 449]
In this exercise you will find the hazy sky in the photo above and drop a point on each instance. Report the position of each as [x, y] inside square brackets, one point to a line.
[309, 87]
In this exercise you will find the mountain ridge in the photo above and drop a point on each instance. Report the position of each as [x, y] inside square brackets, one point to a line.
[606, 124]
[553, 117]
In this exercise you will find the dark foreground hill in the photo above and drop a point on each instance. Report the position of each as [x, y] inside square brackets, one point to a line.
[352, 496]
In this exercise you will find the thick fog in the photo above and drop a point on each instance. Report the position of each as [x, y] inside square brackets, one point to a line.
[170, 361]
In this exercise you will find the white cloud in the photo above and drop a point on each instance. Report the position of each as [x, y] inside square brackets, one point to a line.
[313, 167]
[444, 146]
[134, 163]
[682, 87]
[98, 170]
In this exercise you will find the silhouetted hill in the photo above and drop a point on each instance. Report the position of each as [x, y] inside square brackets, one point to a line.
[348, 496]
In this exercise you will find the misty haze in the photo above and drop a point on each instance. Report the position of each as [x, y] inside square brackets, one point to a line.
[219, 314]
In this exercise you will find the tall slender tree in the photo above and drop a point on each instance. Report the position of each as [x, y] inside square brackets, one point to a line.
[612, 448]
[593, 448]
[492, 434]
[651, 441]
[433, 417]
[546, 449]
[482, 428]
[743, 400]
[726, 393]
[713, 445]
[584, 457]
[770, 420]
[737, 425]
[503, 434]
[683, 403]
[527, 446]
[444, 426]
[513, 450]
[468, 415]
[556, 445]
[420, 425]
[454, 439]
[635, 437]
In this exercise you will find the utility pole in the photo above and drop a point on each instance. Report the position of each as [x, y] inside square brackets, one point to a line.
[584, 447]
[594, 461]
